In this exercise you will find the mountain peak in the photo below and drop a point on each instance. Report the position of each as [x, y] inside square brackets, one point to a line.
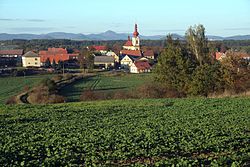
[109, 32]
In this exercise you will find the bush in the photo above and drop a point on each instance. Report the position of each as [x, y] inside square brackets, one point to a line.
[42, 95]
[90, 95]
[57, 78]
[67, 76]
[11, 100]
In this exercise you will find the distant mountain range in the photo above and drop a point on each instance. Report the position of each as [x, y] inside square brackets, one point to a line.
[108, 35]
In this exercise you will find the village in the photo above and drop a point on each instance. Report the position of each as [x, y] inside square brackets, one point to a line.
[131, 58]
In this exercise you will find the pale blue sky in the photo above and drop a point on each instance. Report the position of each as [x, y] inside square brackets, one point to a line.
[220, 17]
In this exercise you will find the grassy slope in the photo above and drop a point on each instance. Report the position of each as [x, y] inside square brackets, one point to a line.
[11, 86]
[125, 132]
[104, 83]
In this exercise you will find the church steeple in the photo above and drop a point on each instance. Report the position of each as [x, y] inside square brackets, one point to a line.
[136, 33]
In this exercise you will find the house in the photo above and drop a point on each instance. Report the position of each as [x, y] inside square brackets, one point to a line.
[140, 67]
[104, 61]
[98, 48]
[31, 59]
[114, 55]
[56, 54]
[136, 53]
[127, 61]
[220, 55]
[10, 58]
[149, 54]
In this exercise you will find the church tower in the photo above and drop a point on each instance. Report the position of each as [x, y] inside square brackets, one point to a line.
[136, 39]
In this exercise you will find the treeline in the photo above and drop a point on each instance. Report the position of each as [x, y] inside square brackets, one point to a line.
[43, 44]
[192, 70]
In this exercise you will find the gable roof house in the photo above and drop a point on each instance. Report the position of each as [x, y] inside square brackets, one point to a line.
[104, 61]
[149, 54]
[140, 67]
[128, 60]
[114, 55]
[31, 59]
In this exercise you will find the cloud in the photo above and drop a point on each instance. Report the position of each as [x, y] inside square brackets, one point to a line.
[29, 20]
[167, 30]
[237, 29]
[35, 20]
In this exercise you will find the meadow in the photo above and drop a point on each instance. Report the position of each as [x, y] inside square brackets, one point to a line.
[149, 132]
[11, 86]
[104, 82]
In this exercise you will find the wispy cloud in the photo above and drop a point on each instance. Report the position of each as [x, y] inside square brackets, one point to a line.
[29, 20]
[35, 20]
[237, 28]
[169, 30]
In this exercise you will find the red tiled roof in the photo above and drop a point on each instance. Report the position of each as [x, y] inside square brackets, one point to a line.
[99, 47]
[148, 53]
[11, 52]
[57, 58]
[218, 55]
[142, 65]
[128, 43]
[131, 52]
[57, 54]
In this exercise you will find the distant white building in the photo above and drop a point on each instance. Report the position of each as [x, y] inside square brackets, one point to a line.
[114, 55]
[31, 59]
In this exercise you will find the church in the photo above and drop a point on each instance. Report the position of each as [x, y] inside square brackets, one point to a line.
[133, 44]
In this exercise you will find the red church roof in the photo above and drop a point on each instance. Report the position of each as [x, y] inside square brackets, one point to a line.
[131, 52]
[129, 42]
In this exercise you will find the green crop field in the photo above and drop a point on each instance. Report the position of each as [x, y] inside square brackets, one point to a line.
[104, 83]
[10, 86]
[184, 132]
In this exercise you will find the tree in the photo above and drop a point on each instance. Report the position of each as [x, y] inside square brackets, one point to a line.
[235, 72]
[47, 63]
[53, 64]
[60, 65]
[86, 59]
[174, 66]
[198, 44]
[207, 79]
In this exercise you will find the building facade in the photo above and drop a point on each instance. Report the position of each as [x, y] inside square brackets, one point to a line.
[31, 59]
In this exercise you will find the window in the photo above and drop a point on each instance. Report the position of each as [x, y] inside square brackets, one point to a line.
[35, 58]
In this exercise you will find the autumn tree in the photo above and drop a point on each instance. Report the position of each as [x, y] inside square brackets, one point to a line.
[86, 59]
[197, 43]
[236, 72]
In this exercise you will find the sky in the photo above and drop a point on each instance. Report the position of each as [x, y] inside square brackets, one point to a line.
[154, 17]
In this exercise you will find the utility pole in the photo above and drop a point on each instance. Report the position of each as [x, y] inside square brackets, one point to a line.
[63, 68]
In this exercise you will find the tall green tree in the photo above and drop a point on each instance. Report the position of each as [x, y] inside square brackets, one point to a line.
[174, 66]
[206, 79]
[198, 44]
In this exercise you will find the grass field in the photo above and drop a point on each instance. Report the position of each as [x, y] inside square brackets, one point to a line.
[10, 86]
[184, 132]
[104, 83]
